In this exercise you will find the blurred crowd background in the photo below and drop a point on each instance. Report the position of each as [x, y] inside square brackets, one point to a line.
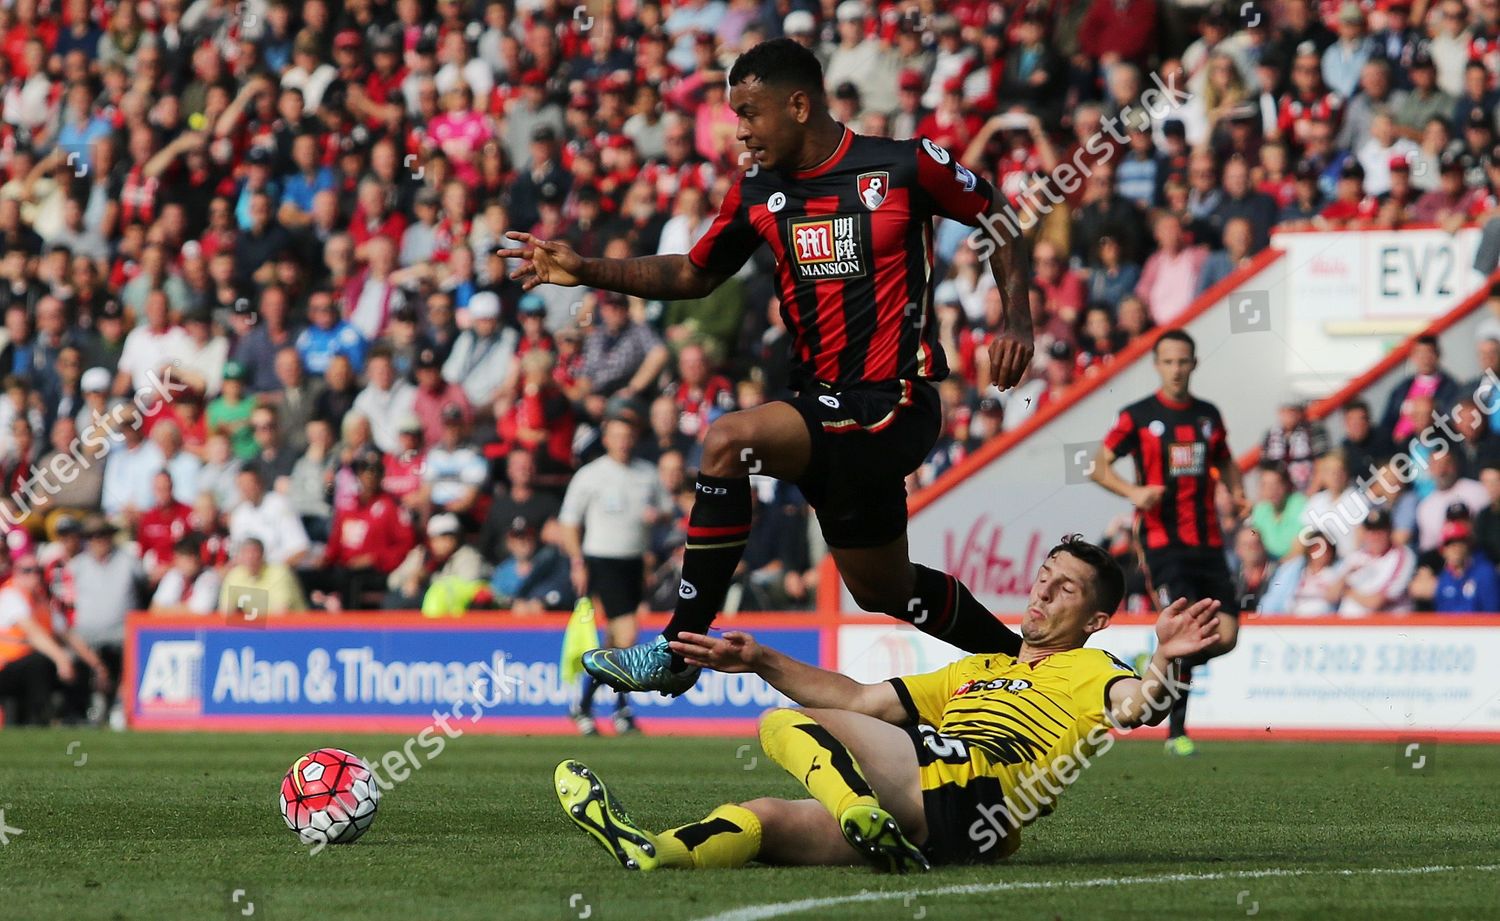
[250, 287]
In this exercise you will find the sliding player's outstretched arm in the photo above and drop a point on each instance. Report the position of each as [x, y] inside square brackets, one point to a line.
[1182, 630]
[808, 685]
[552, 262]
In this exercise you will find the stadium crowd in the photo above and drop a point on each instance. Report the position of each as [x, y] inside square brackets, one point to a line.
[1400, 513]
[259, 351]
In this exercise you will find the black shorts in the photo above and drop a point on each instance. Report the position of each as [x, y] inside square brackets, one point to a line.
[618, 583]
[964, 805]
[1194, 573]
[866, 439]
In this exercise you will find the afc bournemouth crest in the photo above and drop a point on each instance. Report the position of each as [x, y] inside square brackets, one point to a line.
[872, 188]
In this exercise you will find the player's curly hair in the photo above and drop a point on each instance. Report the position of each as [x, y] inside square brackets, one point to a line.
[1109, 580]
[780, 62]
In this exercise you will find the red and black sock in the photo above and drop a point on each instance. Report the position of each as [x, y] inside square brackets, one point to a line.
[943, 607]
[718, 528]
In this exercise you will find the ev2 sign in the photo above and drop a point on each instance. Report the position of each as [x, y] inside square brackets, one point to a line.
[1419, 270]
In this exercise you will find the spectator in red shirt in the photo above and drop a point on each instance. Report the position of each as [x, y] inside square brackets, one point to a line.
[1061, 286]
[1119, 30]
[434, 394]
[541, 418]
[368, 539]
[1350, 205]
[373, 217]
[161, 526]
[403, 467]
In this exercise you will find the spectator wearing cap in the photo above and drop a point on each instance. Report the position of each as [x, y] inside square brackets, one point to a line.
[481, 359]
[1376, 577]
[620, 355]
[443, 556]
[542, 177]
[267, 516]
[526, 115]
[1401, 197]
[255, 580]
[385, 400]
[862, 59]
[106, 585]
[909, 112]
[310, 74]
[455, 472]
[1424, 101]
[368, 539]
[1450, 489]
[434, 395]
[188, 586]
[1119, 30]
[327, 335]
[533, 577]
[419, 241]
[1350, 206]
[1342, 61]
[230, 412]
[1465, 583]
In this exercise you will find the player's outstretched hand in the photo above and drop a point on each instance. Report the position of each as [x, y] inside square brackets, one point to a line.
[732, 652]
[1185, 629]
[1010, 356]
[543, 262]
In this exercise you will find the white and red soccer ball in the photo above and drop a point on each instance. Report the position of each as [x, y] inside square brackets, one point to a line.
[329, 796]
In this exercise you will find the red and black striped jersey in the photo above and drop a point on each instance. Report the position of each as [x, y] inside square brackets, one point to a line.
[1176, 445]
[852, 239]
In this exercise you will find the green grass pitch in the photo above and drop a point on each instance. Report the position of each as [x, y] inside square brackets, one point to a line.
[158, 827]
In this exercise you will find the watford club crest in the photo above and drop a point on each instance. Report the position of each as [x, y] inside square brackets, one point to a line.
[872, 188]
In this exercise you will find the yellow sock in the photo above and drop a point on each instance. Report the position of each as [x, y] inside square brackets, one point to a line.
[725, 838]
[811, 754]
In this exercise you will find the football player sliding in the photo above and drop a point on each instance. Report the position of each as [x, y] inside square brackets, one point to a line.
[940, 768]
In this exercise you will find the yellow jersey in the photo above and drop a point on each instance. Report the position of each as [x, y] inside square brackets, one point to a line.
[1030, 726]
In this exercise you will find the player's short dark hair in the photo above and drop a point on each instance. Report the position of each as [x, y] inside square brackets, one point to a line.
[1429, 340]
[1108, 586]
[1357, 405]
[780, 62]
[1176, 335]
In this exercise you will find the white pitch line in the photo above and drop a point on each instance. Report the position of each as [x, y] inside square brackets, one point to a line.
[780, 909]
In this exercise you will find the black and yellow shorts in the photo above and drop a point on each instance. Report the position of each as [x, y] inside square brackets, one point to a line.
[866, 438]
[964, 801]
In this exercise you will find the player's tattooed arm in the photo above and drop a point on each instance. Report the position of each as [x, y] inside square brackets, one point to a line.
[1014, 345]
[552, 262]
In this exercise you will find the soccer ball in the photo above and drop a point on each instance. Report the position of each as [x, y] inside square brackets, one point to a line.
[329, 796]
